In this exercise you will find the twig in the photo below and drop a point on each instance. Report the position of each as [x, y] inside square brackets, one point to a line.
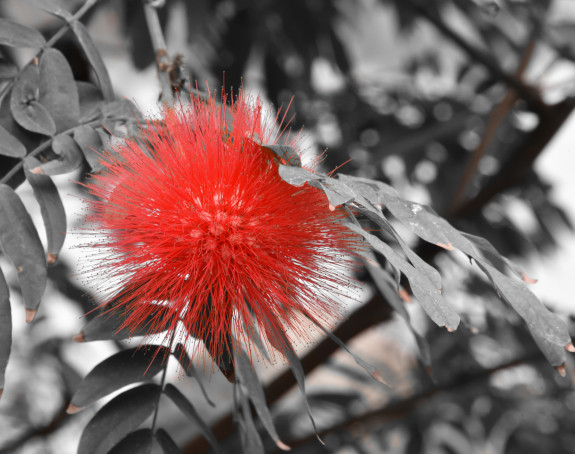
[528, 93]
[495, 119]
[55, 38]
[163, 62]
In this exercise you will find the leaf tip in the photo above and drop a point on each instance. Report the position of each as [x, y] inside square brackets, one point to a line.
[51, 258]
[406, 297]
[30, 315]
[73, 409]
[80, 337]
[447, 246]
[37, 170]
[528, 279]
[561, 370]
[332, 207]
[570, 348]
[1, 392]
[280, 444]
[449, 329]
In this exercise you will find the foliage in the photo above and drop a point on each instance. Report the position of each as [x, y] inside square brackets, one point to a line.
[464, 148]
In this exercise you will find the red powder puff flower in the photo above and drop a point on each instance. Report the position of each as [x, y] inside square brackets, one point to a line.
[201, 230]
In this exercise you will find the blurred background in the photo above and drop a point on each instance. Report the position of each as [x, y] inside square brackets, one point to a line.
[464, 105]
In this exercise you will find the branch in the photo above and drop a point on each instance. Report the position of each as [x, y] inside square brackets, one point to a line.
[497, 116]
[163, 62]
[528, 93]
[521, 159]
[400, 409]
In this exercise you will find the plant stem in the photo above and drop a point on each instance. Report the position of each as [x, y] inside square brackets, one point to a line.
[163, 61]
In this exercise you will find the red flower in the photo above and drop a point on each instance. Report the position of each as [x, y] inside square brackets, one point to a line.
[200, 228]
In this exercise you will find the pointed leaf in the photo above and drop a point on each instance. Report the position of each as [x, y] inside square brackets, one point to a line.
[250, 438]
[188, 409]
[117, 418]
[138, 442]
[22, 245]
[69, 157]
[249, 379]
[119, 370]
[537, 317]
[10, 145]
[336, 194]
[24, 105]
[91, 145]
[5, 329]
[167, 443]
[190, 370]
[555, 354]
[426, 292]
[51, 207]
[18, 35]
[297, 176]
[299, 374]
[110, 324]
[95, 59]
[52, 7]
[369, 368]
[57, 90]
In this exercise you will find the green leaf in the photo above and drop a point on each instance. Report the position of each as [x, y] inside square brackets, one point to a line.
[22, 245]
[10, 145]
[69, 157]
[249, 379]
[297, 176]
[51, 207]
[166, 442]
[119, 370]
[337, 194]
[95, 59]
[91, 145]
[18, 35]
[138, 442]
[24, 105]
[5, 329]
[188, 409]
[109, 325]
[57, 90]
[118, 418]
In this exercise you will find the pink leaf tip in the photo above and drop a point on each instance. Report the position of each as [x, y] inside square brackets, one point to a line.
[30, 315]
[79, 337]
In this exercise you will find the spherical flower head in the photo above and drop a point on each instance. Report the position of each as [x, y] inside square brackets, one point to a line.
[202, 233]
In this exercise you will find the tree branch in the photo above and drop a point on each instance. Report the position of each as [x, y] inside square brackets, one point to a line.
[163, 62]
[528, 93]
[400, 409]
